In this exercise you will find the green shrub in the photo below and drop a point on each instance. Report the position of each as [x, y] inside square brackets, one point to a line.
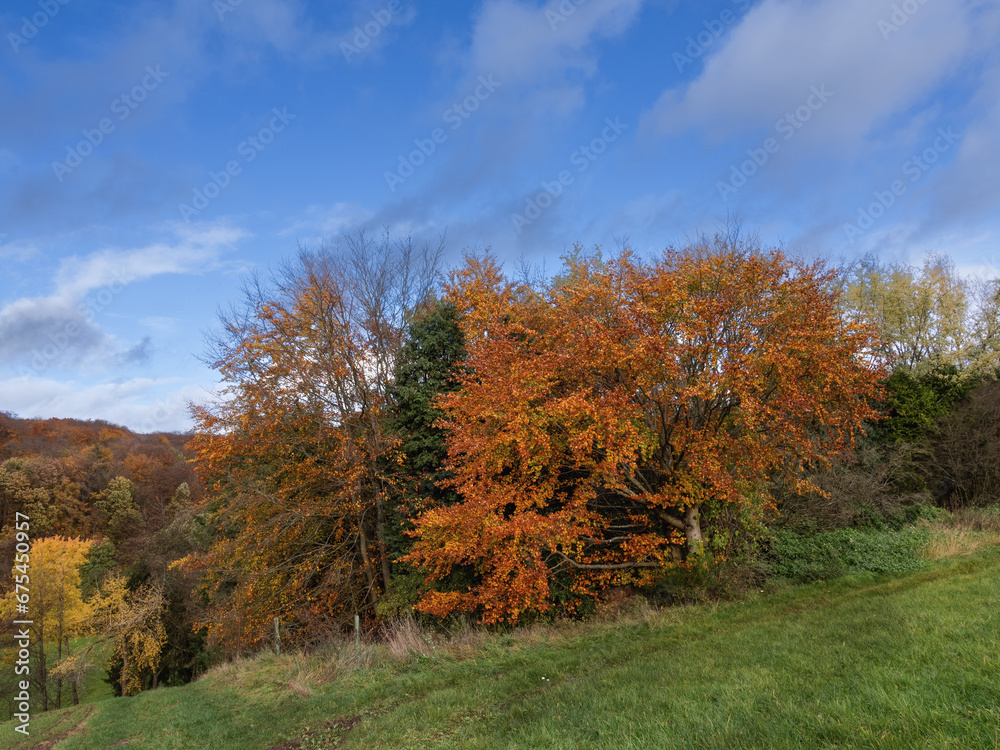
[911, 514]
[404, 593]
[830, 554]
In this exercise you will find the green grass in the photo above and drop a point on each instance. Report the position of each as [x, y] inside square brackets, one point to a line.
[862, 662]
[93, 687]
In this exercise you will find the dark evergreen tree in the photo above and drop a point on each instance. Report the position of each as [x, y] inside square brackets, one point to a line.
[426, 368]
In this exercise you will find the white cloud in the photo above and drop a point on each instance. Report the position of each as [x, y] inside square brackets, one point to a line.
[196, 250]
[59, 329]
[781, 48]
[16, 250]
[141, 404]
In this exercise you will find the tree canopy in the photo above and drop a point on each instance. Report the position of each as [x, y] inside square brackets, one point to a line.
[601, 420]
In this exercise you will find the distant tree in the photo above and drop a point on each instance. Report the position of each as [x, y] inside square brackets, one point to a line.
[930, 318]
[40, 487]
[124, 522]
[97, 565]
[985, 328]
[18, 493]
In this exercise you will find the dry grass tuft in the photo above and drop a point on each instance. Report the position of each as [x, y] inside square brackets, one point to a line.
[233, 670]
[305, 673]
[343, 658]
[405, 637]
[946, 543]
[465, 641]
[977, 519]
[966, 531]
[301, 689]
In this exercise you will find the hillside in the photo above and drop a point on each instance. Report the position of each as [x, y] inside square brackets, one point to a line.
[890, 663]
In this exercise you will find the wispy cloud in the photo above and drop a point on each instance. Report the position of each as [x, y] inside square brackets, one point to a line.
[783, 47]
[60, 329]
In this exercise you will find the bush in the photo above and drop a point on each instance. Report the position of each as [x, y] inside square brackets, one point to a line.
[916, 402]
[965, 451]
[873, 484]
[830, 554]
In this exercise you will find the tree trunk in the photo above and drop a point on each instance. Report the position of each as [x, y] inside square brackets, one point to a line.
[367, 563]
[59, 679]
[380, 533]
[74, 677]
[692, 529]
[124, 669]
[43, 674]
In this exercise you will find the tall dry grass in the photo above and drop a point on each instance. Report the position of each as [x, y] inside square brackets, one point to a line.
[965, 532]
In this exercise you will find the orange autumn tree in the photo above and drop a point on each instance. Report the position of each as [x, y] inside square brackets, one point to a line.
[291, 452]
[602, 419]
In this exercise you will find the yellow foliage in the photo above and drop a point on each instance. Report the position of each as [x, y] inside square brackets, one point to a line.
[133, 619]
[929, 317]
[55, 606]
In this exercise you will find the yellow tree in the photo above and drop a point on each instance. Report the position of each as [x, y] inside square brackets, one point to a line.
[985, 354]
[924, 314]
[133, 621]
[56, 608]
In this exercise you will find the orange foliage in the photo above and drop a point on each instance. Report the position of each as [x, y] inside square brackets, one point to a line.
[292, 451]
[603, 420]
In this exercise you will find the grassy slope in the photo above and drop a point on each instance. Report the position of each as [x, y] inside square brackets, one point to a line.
[94, 687]
[903, 663]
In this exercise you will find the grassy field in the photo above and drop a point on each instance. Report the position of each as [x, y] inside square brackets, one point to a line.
[93, 688]
[907, 662]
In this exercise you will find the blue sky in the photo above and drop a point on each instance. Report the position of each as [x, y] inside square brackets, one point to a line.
[153, 153]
